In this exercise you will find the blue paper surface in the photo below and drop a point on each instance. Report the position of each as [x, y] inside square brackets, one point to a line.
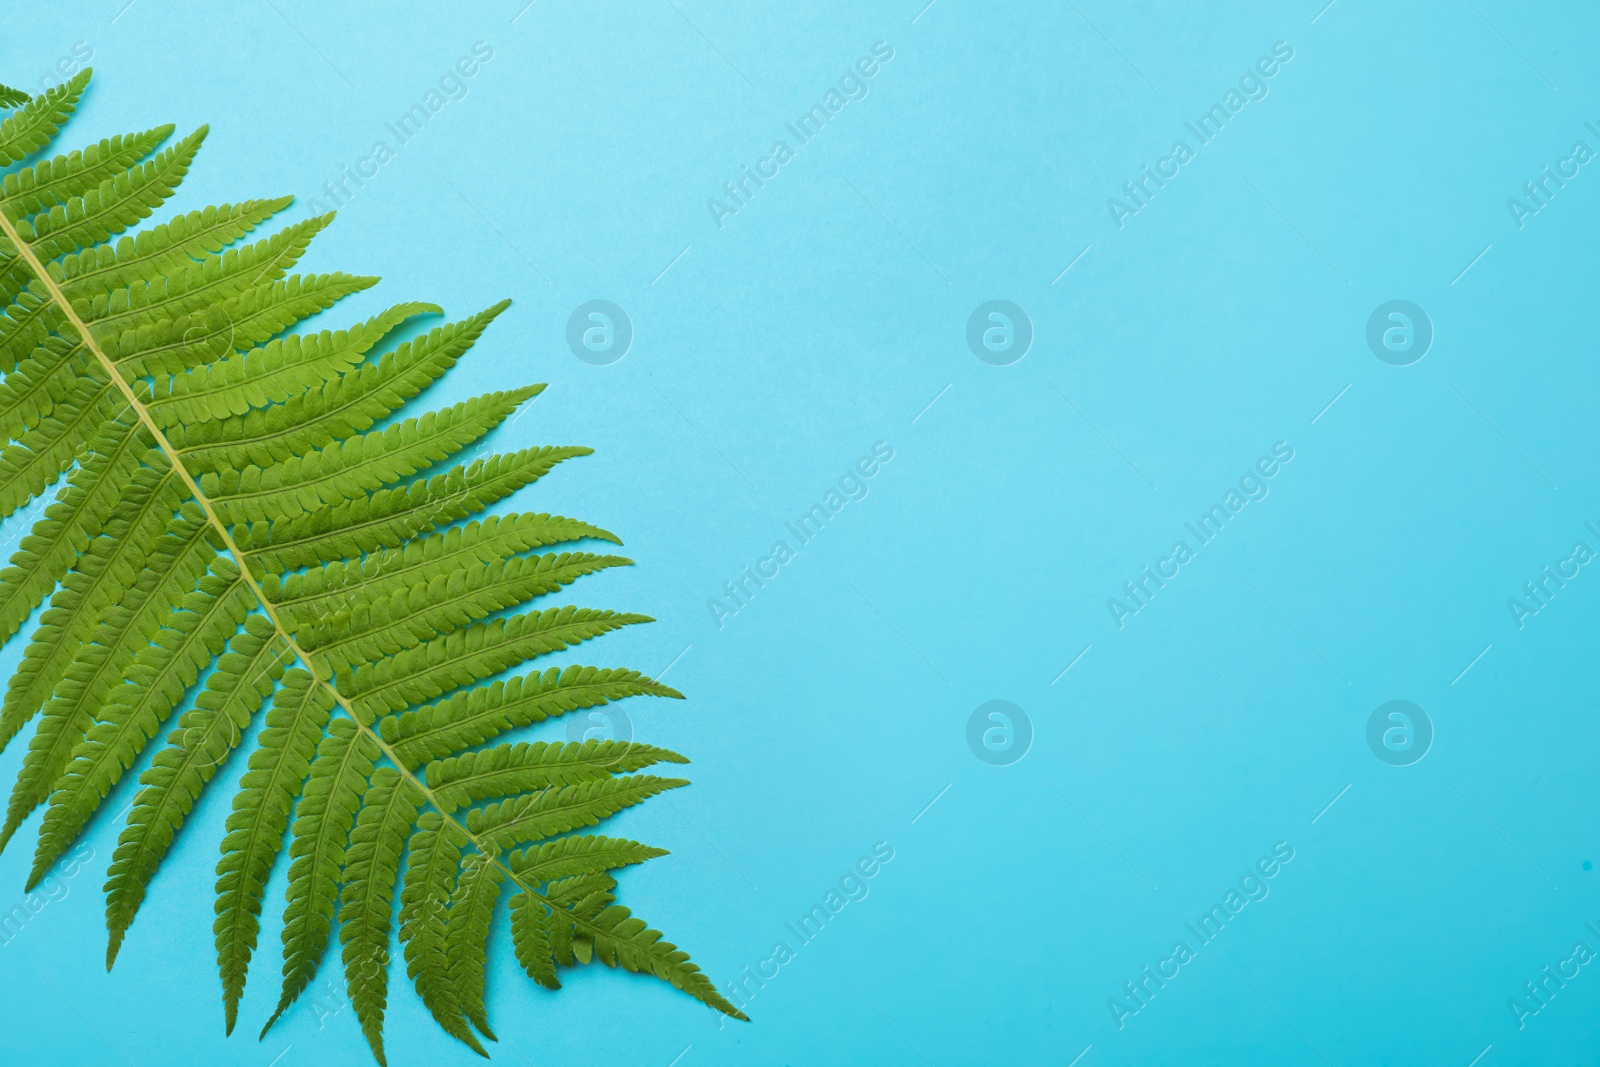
[1339, 348]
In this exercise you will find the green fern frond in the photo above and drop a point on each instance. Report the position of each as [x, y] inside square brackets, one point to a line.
[321, 831]
[57, 181]
[318, 594]
[163, 247]
[621, 940]
[250, 517]
[159, 675]
[390, 518]
[234, 692]
[278, 769]
[508, 823]
[346, 470]
[271, 374]
[432, 868]
[35, 126]
[385, 625]
[354, 401]
[466, 719]
[78, 514]
[572, 856]
[111, 208]
[251, 317]
[388, 808]
[460, 781]
[530, 932]
[462, 657]
[466, 934]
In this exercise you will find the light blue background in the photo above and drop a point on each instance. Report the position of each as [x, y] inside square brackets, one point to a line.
[824, 317]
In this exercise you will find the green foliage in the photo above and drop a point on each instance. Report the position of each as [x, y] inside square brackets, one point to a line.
[243, 520]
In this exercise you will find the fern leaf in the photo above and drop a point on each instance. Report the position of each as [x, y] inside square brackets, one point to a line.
[178, 242]
[530, 933]
[323, 591]
[525, 768]
[56, 181]
[236, 324]
[583, 854]
[508, 823]
[33, 388]
[231, 503]
[111, 208]
[273, 373]
[69, 524]
[382, 626]
[621, 940]
[320, 832]
[170, 571]
[36, 124]
[245, 674]
[351, 403]
[295, 722]
[471, 718]
[390, 517]
[467, 933]
[434, 856]
[192, 289]
[94, 584]
[348, 470]
[366, 901]
[158, 676]
[466, 656]
[49, 448]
